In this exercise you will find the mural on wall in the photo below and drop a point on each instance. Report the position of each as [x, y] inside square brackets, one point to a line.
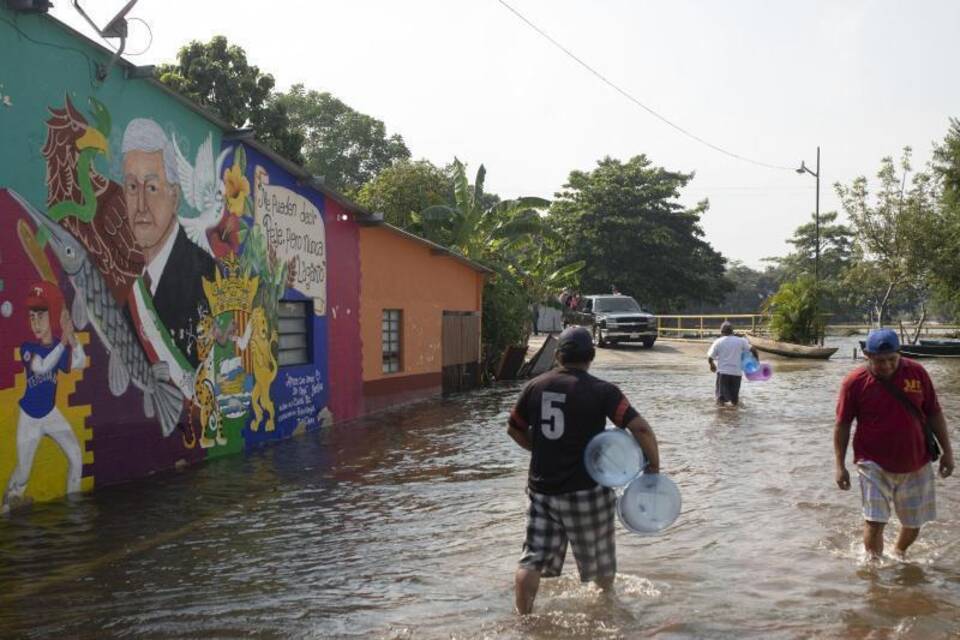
[172, 273]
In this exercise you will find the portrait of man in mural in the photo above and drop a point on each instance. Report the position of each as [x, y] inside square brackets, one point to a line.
[175, 266]
[43, 359]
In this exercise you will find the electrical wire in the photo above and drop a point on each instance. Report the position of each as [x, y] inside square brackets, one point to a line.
[637, 102]
[91, 63]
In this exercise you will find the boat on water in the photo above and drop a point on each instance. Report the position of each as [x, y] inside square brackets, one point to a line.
[790, 349]
[928, 349]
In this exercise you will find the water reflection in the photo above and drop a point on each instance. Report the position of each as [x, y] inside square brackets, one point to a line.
[408, 525]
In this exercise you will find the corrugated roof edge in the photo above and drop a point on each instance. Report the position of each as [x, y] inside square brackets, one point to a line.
[231, 133]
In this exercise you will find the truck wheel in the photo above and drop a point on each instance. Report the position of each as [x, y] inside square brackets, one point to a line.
[648, 343]
[598, 337]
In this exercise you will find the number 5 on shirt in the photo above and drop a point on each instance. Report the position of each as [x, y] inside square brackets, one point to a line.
[551, 414]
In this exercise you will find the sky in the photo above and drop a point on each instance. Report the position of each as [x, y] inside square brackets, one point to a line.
[765, 81]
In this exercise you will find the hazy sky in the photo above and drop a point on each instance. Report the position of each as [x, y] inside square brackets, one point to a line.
[765, 80]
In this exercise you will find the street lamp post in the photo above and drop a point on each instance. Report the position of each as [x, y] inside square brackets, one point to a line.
[816, 174]
[816, 260]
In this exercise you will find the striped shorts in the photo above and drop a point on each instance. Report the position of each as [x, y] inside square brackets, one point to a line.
[912, 494]
[585, 519]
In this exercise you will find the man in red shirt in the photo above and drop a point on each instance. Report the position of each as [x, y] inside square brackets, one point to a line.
[889, 446]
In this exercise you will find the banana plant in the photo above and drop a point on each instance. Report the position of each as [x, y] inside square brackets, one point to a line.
[479, 233]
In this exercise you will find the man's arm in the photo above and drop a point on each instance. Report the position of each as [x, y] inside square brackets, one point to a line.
[647, 439]
[713, 366]
[841, 438]
[521, 436]
[939, 425]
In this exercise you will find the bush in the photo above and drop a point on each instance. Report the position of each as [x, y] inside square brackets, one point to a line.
[506, 311]
[794, 312]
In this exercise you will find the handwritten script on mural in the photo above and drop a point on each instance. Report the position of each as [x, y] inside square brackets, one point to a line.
[300, 406]
[294, 230]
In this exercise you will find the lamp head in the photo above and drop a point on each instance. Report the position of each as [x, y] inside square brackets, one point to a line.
[803, 167]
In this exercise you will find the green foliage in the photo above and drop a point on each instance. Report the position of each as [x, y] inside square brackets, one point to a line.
[945, 270]
[505, 317]
[404, 189]
[346, 147]
[217, 75]
[478, 232]
[794, 312]
[751, 288]
[624, 221]
[895, 233]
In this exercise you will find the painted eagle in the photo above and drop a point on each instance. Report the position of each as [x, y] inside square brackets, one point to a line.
[85, 203]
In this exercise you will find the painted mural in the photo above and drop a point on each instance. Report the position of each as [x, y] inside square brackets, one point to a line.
[140, 302]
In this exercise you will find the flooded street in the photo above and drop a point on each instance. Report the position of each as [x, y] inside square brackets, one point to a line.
[409, 525]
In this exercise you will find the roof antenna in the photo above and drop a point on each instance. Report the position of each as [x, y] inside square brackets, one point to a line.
[116, 28]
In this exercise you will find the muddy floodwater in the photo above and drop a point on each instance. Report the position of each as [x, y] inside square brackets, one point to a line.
[409, 525]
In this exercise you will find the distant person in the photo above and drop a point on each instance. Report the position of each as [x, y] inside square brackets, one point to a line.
[614, 290]
[535, 316]
[555, 417]
[890, 397]
[724, 357]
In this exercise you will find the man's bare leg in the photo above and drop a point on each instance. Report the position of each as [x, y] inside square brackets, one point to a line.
[906, 538]
[527, 581]
[604, 582]
[873, 538]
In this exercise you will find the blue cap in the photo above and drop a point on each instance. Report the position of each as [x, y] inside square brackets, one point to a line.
[882, 341]
[574, 340]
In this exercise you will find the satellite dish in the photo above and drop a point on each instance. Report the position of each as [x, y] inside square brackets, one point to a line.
[116, 28]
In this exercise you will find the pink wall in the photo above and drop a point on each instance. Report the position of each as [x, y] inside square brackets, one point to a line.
[343, 312]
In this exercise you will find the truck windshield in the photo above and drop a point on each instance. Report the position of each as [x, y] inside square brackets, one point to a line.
[620, 303]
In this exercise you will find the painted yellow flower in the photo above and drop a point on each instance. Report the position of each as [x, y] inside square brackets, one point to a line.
[237, 189]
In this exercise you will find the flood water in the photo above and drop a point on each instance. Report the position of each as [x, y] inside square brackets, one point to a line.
[409, 525]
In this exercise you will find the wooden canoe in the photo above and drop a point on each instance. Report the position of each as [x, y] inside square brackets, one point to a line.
[790, 349]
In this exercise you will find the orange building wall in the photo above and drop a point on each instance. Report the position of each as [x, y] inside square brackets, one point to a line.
[399, 273]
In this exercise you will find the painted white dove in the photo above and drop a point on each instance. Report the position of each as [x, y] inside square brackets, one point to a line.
[202, 186]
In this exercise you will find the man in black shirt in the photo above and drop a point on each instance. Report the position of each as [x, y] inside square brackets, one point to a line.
[555, 417]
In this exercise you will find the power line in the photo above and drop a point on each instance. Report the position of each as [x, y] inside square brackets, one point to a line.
[632, 99]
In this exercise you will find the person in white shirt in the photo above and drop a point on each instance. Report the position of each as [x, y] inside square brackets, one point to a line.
[724, 357]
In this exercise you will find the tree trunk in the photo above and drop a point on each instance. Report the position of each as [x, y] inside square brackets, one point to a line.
[883, 305]
[923, 318]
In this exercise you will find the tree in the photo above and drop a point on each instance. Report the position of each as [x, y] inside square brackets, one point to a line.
[624, 221]
[404, 189]
[836, 248]
[894, 234]
[476, 231]
[347, 148]
[946, 266]
[751, 288]
[217, 75]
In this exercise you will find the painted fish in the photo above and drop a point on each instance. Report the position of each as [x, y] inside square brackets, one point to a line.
[94, 304]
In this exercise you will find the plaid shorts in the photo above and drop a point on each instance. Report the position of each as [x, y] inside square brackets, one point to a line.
[585, 519]
[912, 494]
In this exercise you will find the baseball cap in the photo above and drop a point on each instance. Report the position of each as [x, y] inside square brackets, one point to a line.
[574, 340]
[46, 295]
[882, 341]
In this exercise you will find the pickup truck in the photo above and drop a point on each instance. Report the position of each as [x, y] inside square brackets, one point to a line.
[614, 318]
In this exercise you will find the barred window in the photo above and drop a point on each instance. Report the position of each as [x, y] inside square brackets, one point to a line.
[294, 332]
[390, 336]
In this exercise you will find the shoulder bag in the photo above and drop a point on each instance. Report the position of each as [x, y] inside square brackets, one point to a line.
[933, 447]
